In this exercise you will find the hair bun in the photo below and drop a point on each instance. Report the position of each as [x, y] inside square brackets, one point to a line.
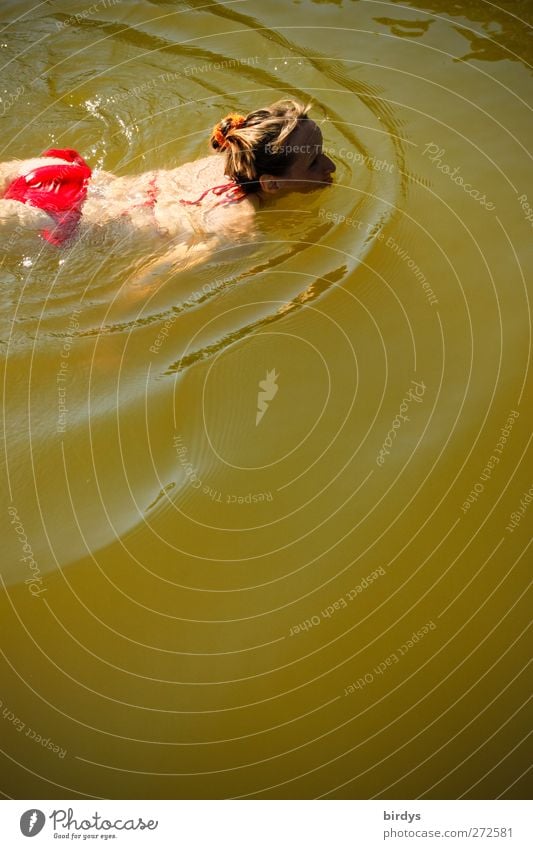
[232, 121]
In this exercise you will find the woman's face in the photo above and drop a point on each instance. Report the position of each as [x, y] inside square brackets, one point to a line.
[311, 168]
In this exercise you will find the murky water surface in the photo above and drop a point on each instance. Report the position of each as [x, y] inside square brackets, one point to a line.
[265, 531]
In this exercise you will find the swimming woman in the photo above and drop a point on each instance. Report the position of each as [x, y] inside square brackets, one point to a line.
[185, 213]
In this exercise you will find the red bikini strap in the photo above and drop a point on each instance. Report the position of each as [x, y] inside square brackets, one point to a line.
[152, 193]
[237, 193]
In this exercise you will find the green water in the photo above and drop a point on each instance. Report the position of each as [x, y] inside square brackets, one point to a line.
[213, 607]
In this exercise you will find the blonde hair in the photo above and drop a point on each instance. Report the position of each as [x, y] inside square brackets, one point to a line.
[254, 143]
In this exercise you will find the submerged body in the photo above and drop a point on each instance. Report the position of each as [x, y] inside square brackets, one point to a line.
[159, 205]
[180, 215]
[157, 209]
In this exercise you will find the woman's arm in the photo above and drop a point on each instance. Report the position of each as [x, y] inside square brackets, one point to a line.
[178, 258]
[15, 216]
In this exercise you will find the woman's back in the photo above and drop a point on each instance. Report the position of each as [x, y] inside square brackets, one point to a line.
[164, 204]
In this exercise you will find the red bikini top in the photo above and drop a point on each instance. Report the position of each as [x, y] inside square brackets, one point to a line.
[233, 190]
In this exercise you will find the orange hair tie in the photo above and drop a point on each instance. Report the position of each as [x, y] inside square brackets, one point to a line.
[218, 136]
[236, 121]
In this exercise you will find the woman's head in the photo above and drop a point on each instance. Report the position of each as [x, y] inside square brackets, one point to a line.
[273, 150]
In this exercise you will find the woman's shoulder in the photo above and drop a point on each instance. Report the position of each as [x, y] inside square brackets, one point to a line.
[233, 220]
[212, 213]
[197, 175]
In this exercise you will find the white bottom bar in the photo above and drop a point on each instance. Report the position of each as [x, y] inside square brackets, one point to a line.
[268, 824]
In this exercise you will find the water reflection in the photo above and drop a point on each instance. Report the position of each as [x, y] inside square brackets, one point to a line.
[507, 25]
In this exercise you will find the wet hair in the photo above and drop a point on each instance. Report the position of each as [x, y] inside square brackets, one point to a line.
[253, 143]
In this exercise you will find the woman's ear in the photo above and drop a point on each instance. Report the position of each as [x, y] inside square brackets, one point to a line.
[269, 184]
